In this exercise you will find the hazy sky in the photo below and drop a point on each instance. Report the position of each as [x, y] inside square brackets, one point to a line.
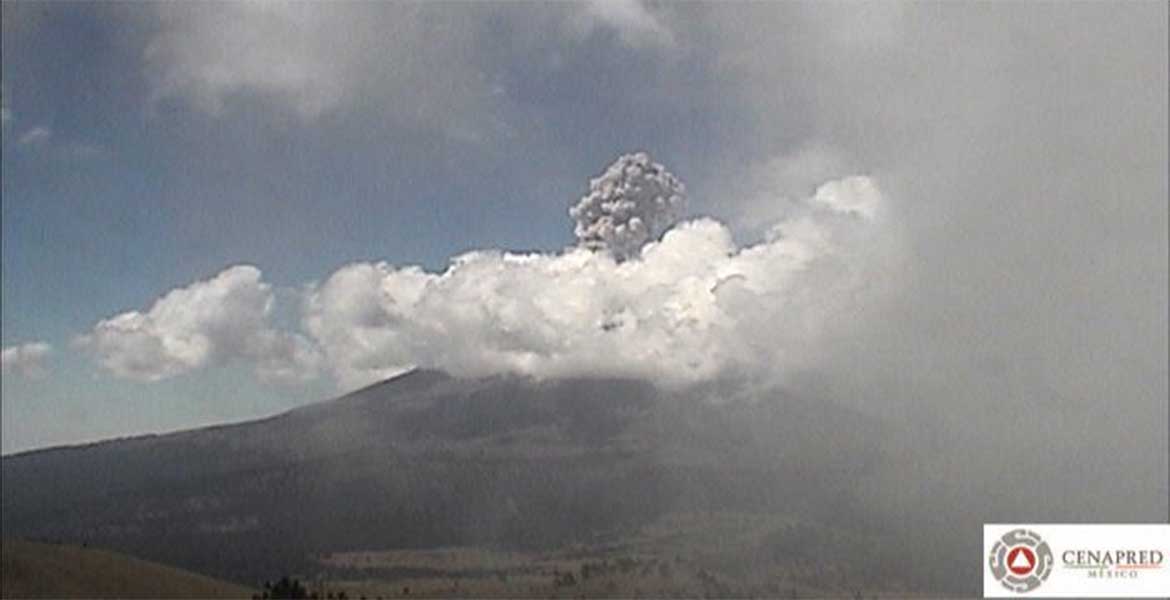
[1018, 151]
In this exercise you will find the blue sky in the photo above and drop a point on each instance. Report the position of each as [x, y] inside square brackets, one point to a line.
[151, 146]
[130, 196]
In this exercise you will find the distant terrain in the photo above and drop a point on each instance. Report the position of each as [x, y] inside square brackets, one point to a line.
[37, 570]
[428, 484]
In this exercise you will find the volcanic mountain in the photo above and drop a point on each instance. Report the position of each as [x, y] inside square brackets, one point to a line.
[425, 461]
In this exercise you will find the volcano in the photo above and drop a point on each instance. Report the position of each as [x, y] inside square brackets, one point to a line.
[425, 461]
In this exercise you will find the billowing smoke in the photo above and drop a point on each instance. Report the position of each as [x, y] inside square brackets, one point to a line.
[690, 306]
[633, 202]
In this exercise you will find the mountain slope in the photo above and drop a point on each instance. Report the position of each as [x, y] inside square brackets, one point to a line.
[425, 460]
[35, 570]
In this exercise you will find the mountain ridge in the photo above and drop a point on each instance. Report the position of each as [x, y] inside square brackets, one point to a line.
[216, 426]
[426, 460]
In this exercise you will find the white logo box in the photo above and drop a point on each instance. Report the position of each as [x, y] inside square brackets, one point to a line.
[1097, 560]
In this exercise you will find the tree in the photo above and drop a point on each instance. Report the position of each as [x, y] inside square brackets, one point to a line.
[285, 588]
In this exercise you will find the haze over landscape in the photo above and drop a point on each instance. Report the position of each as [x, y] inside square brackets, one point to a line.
[552, 286]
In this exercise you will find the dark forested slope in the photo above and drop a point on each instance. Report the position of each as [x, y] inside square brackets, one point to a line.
[426, 460]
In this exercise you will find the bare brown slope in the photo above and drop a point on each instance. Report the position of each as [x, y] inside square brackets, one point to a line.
[36, 570]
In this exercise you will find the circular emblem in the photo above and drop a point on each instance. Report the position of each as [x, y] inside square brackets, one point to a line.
[1021, 560]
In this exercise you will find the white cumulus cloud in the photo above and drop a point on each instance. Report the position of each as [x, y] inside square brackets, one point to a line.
[219, 320]
[639, 295]
[689, 307]
[26, 359]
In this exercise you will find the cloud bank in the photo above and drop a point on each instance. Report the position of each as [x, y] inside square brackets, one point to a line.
[27, 360]
[690, 307]
[412, 63]
[638, 296]
[217, 321]
[417, 64]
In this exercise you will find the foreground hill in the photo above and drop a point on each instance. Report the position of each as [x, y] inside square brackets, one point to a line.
[35, 570]
[426, 461]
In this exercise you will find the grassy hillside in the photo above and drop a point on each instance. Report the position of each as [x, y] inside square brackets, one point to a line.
[36, 570]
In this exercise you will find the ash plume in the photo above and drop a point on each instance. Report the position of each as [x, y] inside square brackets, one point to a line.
[639, 296]
[642, 295]
[633, 202]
